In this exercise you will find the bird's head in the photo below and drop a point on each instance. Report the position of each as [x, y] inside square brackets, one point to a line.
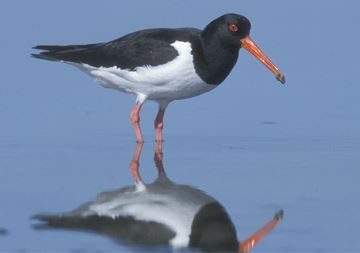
[233, 30]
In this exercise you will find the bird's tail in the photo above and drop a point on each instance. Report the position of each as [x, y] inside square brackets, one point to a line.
[60, 53]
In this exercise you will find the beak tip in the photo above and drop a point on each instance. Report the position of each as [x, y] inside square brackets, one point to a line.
[281, 78]
[279, 215]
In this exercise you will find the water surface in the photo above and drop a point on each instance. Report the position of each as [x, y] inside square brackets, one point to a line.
[253, 145]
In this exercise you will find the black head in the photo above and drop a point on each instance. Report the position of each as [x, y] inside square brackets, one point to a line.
[213, 231]
[229, 29]
[221, 41]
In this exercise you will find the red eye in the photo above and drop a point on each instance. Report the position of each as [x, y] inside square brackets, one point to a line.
[233, 28]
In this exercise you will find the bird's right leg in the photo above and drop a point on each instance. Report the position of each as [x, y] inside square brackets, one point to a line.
[159, 122]
[135, 120]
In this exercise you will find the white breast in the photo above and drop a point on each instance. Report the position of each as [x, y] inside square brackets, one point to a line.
[176, 79]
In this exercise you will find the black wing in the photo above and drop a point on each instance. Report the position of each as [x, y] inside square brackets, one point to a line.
[147, 47]
[124, 229]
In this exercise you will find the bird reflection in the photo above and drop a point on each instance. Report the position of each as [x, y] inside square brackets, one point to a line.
[159, 213]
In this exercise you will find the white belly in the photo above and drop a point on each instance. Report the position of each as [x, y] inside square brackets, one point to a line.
[176, 79]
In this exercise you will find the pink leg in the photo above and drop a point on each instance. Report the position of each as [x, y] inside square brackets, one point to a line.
[159, 125]
[158, 158]
[135, 120]
[134, 164]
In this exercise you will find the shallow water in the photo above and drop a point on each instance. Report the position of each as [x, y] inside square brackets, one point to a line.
[253, 145]
[252, 178]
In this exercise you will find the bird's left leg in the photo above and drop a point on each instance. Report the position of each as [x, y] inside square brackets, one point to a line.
[159, 122]
[247, 245]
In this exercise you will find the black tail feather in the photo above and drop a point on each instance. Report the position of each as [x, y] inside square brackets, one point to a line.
[71, 53]
[51, 47]
[44, 56]
[57, 48]
[52, 52]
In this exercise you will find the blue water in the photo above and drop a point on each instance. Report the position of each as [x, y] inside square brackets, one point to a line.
[252, 144]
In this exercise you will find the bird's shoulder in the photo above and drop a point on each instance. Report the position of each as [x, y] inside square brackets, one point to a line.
[161, 35]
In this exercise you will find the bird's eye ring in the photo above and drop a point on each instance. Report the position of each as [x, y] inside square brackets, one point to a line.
[233, 28]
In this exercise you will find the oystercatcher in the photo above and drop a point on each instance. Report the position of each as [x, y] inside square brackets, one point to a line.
[164, 65]
[159, 213]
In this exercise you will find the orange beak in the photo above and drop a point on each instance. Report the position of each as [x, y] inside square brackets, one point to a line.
[253, 49]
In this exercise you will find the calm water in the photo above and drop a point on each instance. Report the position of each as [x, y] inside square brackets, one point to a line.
[253, 145]
[310, 178]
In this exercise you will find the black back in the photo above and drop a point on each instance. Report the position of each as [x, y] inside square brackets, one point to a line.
[143, 48]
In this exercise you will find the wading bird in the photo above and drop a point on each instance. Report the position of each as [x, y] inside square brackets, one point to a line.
[164, 65]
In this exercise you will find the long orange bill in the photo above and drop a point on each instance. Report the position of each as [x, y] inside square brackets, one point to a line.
[247, 245]
[249, 45]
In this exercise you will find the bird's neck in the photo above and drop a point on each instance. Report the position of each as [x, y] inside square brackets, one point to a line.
[215, 61]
